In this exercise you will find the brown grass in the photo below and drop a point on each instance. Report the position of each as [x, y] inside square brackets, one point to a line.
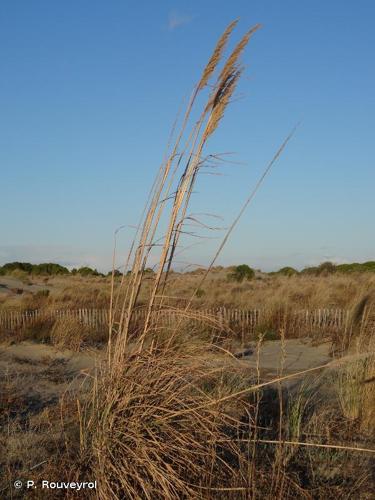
[156, 437]
[295, 292]
[141, 445]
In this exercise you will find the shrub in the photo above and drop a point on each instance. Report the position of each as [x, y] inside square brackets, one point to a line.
[324, 269]
[287, 271]
[68, 333]
[356, 267]
[17, 266]
[116, 273]
[241, 273]
[88, 271]
[49, 268]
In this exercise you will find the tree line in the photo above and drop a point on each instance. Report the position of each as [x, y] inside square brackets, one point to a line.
[238, 273]
[46, 268]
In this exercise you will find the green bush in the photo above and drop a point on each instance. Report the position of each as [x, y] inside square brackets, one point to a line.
[48, 268]
[116, 273]
[17, 266]
[327, 268]
[88, 271]
[324, 269]
[241, 273]
[287, 271]
[356, 267]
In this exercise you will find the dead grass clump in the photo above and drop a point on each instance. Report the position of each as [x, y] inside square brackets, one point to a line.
[368, 396]
[153, 435]
[70, 333]
[280, 317]
[35, 442]
[356, 380]
[38, 330]
[356, 391]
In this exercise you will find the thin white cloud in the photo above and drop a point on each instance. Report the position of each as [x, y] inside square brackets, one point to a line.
[176, 19]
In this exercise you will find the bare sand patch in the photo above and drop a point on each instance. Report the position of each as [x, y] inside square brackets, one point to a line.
[291, 355]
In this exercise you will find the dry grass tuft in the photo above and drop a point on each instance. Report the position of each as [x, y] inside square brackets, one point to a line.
[151, 429]
[68, 333]
[145, 444]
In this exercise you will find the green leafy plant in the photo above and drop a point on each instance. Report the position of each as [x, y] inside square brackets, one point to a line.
[287, 271]
[88, 271]
[242, 272]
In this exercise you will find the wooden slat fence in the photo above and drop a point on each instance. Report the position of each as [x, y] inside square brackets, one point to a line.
[249, 319]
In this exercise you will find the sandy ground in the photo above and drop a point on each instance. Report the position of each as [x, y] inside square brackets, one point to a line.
[292, 356]
[9, 285]
[42, 373]
[39, 375]
[33, 353]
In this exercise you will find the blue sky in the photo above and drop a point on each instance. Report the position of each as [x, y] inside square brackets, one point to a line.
[89, 91]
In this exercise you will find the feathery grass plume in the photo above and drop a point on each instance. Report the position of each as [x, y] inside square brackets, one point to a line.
[216, 56]
[152, 216]
[222, 98]
[155, 209]
[138, 450]
[230, 67]
[235, 55]
[181, 198]
[215, 108]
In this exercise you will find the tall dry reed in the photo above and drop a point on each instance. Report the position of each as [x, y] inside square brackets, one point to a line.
[151, 429]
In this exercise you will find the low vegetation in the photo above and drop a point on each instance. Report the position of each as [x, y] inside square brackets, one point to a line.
[44, 269]
[299, 291]
[239, 273]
